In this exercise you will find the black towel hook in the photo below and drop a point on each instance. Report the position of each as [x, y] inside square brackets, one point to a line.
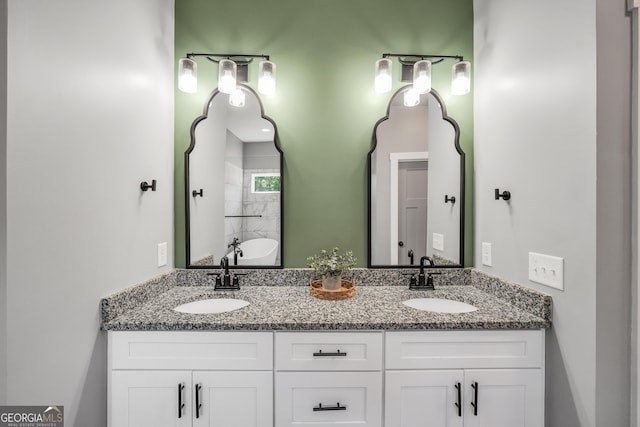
[144, 185]
[448, 199]
[505, 195]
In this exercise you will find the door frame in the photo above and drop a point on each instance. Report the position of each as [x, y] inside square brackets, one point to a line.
[394, 160]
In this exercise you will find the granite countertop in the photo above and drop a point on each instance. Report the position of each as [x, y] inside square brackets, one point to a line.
[372, 308]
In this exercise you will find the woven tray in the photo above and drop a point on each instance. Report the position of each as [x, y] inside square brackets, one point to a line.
[347, 290]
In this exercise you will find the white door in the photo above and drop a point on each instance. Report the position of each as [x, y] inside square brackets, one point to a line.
[233, 399]
[423, 399]
[504, 398]
[412, 211]
[150, 399]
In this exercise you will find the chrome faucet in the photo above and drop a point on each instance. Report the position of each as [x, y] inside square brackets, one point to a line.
[236, 249]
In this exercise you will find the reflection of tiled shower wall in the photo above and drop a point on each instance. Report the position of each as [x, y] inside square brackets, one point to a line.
[267, 205]
[233, 202]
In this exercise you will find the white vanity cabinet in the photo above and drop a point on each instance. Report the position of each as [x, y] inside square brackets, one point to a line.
[464, 378]
[190, 379]
[327, 379]
[474, 378]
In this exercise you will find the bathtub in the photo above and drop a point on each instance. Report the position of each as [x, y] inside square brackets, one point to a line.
[256, 252]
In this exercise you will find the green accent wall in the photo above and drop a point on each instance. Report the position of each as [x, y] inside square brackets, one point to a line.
[325, 107]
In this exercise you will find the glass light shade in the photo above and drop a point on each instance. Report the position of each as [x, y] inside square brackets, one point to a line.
[411, 98]
[267, 78]
[383, 80]
[422, 76]
[227, 74]
[187, 75]
[237, 98]
[461, 78]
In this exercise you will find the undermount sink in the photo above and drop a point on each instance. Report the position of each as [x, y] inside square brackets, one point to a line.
[439, 305]
[210, 306]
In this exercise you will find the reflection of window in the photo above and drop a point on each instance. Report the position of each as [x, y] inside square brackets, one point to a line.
[265, 182]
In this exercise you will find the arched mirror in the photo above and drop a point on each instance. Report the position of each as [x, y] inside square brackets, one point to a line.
[233, 185]
[416, 185]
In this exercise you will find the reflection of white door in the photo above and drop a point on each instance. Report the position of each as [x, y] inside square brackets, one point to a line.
[395, 160]
[412, 211]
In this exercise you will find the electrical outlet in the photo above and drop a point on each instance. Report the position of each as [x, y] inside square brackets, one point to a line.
[547, 270]
[438, 241]
[162, 254]
[486, 254]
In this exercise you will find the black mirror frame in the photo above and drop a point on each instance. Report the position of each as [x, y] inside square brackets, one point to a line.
[460, 202]
[187, 190]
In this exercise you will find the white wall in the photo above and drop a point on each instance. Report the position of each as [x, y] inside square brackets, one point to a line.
[3, 202]
[444, 178]
[613, 294]
[406, 130]
[207, 172]
[90, 116]
[538, 124]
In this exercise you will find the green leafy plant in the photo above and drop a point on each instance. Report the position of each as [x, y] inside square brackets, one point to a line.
[332, 263]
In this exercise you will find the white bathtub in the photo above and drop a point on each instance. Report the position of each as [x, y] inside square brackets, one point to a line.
[256, 252]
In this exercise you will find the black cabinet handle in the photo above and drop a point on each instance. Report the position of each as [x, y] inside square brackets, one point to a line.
[180, 402]
[337, 353]
[474, 403]
[329, 408]
[459, 399]
[198, 404]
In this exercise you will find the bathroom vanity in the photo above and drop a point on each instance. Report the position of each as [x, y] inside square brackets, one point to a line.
[288, 359]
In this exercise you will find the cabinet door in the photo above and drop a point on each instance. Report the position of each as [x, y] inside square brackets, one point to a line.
[233, 399]
[504, 398]
[150, 399]
[423, 398]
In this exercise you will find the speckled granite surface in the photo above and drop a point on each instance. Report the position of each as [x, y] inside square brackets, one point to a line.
[287, 305]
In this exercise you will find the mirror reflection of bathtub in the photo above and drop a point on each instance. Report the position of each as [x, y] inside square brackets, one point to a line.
[233, 177]
[255, 252]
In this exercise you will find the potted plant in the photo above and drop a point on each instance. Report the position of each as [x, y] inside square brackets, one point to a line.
[331, 266]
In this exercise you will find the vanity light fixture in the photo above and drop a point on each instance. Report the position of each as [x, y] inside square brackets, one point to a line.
[227, 76]
[237, 98]
[383, 81]
[417, 68]
[187, 75]
[267, 77]
[232, 68]
[411, 97]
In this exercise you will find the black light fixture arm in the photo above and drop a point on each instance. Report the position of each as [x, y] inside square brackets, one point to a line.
[439, 58]
[215, 57]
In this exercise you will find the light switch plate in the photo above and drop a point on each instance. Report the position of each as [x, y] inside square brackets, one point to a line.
[438, 241]
[486, 254]
[547, 270]
[162, 254]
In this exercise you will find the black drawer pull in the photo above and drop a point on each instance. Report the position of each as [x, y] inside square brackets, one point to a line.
[198, 404]
[474, 403]
[337, 353]
[181, 387]
[330, 408]
[459, 399]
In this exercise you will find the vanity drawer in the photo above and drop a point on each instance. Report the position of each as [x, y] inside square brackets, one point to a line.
[464, 349]
[191, 350]
[329, 351]
[312, 399]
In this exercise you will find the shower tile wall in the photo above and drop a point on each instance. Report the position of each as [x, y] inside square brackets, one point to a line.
[267, 205]
[233, 202]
